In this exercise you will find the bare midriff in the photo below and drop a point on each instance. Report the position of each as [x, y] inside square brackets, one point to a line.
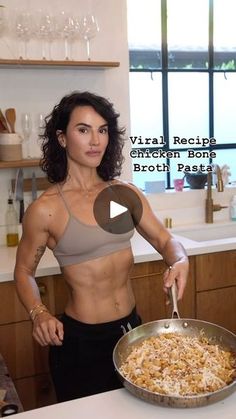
[100, 289]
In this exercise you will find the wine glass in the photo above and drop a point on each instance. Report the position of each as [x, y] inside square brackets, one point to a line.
[76, 33]
[45, 31]
[66, 29]
[2, 21]
[23, 30]
[40, 124]
[88, 30]
[26, 124]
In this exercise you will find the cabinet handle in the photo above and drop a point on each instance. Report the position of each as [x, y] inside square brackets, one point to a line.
[42, 289]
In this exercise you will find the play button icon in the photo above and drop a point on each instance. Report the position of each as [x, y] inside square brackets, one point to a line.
[117, 209]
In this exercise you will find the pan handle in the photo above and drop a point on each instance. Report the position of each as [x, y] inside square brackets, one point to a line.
[173, 299]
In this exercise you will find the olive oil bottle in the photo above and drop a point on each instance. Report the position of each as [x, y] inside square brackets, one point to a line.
[12, 236]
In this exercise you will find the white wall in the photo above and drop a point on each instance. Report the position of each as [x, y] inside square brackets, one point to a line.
[38, 90]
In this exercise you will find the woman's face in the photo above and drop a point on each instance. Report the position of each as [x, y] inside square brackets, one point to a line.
[86, 136]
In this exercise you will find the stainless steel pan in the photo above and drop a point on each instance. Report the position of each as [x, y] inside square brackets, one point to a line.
[189, 327]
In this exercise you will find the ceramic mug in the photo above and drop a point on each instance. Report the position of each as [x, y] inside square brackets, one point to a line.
[178, 184]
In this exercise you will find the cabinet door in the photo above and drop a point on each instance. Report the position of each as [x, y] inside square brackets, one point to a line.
[23, 356]
[147, 283]
[218, 306]
[147, 286]
[12, 309]
[187, 306]
[61, 293]
[35, 392]
[46, 289]
[215, 270]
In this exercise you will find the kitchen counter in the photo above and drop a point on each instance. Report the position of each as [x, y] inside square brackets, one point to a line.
[143, 252]
[122, 404]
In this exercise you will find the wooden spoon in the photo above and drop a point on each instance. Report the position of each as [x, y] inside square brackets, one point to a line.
[4, 127]
[11, 118]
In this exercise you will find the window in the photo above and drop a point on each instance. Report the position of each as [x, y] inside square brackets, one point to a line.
[182, 87]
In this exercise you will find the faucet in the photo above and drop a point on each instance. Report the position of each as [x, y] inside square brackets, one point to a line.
[210, 206]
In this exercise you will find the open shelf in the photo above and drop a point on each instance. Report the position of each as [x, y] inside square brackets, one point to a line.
[21, 63]
[9, 63]
[19, 163]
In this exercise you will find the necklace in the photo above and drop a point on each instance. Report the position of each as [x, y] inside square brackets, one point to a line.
[88, 192]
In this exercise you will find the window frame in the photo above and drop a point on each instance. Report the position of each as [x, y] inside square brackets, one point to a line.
[164, 69]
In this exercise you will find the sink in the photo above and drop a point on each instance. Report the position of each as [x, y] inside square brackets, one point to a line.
[205, 232]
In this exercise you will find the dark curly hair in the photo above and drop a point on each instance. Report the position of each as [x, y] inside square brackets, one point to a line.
[54, 160]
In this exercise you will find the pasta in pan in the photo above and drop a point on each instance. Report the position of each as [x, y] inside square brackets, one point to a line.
[177, 365]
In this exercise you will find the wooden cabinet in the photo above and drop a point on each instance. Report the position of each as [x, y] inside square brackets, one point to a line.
[218, 306]
[36, 391]
[27, 361]
[147, 283]
[146, 279]
[216, 270]
[216, 288]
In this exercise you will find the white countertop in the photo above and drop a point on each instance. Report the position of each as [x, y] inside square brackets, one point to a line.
[120, 404]
[143, 252]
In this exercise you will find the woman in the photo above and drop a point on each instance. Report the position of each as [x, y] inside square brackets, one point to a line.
[82, 156]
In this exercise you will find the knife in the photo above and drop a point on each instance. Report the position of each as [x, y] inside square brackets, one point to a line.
[34, 187]
[19, 192]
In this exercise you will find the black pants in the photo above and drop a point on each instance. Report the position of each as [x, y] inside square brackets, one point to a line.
[83, 365]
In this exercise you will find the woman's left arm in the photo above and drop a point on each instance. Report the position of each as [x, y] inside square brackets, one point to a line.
[172, 251]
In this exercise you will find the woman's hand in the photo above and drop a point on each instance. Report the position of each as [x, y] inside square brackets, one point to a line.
[48, 330]
[177, 272]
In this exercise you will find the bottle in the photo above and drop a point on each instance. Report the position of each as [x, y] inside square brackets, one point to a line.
[233, 208]
[12, 236]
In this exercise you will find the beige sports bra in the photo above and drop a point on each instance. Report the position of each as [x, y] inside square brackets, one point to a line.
[81, 242]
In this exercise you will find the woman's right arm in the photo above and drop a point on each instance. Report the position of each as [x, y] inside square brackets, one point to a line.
[47, 329]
